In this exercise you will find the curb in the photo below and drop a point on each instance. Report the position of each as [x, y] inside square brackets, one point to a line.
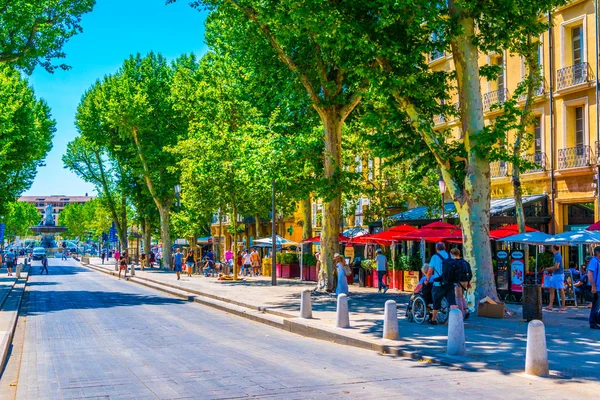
[14, 295]
[288, 323]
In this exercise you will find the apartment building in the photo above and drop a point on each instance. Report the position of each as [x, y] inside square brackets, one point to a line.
[58, 202]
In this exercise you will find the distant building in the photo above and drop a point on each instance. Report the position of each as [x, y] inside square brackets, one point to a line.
[58, 202]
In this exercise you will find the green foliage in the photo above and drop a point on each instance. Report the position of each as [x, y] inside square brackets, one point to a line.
[19, 218]
[34, 32]
[26, 132]
[410, 262]
[309, 259]
[545, 260]
[289, 258]
[368, 265]
[73, 216]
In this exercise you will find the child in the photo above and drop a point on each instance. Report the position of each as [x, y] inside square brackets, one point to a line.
[123, 266]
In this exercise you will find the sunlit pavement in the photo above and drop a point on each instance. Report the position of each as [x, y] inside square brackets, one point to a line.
[88, 335]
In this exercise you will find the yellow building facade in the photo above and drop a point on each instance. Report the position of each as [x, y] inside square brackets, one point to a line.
[566, 133]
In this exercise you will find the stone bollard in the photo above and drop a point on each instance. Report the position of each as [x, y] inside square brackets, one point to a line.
[18, 271]
[117, 266]
[342, 315]
[132, 269]
[456, 334]
[306, 305]
[536, 356]
[390, 321]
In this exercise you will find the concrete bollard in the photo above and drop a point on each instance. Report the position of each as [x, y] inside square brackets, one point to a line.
[342, 315]
[536, 356]
[132, 269]
[390, 321]
[18, 271]
[456, 334]
[306, 305]
[117, 266]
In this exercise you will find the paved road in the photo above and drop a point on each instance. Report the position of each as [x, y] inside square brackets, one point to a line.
[88, 335]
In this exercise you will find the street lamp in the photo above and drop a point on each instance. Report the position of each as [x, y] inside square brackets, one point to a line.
[442, 186]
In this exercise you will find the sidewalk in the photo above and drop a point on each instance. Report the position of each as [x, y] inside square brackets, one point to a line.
[498, 344]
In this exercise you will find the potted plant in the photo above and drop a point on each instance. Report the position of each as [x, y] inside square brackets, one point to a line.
[309, 267]
[367, 265]
[287, 260]
[395, 274]
[278, 262]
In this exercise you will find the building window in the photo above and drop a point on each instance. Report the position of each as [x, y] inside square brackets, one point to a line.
[317, 215]
[579, 126]
[577, 44]
[370, 167]
[537, 134]
[500, 80]
[359, 165]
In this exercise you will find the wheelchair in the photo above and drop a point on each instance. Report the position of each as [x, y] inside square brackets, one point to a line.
[419, 310]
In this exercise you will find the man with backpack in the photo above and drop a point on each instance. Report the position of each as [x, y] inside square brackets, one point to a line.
[443, 283]
[466, 274]
[11, 259]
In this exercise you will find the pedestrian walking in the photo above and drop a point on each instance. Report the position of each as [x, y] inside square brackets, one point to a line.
[255, 259]
[247, 263]
[10, 259]
[143, 260]
[123, 266]
[117, 255]
[103, 256]
[460, 289]
[64, 255]
[240, 262]
[557, 281]
[151, 259]
[382, 270]
[44, 265]
[441, 290]
[189, 261]
[342, 281]
[593, 273]
[178, 263]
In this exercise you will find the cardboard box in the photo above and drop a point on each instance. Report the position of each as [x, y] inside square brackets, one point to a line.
[490, 308]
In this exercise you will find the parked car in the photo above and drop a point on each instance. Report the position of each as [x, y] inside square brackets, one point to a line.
[38, 253]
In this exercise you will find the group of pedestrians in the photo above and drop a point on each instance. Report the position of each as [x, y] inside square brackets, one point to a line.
[11, 260]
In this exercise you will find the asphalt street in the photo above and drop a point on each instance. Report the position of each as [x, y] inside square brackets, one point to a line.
[88, 335]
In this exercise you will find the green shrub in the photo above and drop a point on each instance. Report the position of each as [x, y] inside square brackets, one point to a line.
[367, 265]
[288, 258]
[309, 260]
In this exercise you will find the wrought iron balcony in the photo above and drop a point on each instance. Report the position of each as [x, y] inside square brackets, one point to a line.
[540, 90]
[574, 157]
[499, 169]
[539, 159]
[494, 97]
[439, 119]
[436, 55]
[573, 75]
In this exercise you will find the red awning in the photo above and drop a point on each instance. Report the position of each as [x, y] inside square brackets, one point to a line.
[507, 231]
[384, 238]
[435, 232]
[594, 227]
[317, 239]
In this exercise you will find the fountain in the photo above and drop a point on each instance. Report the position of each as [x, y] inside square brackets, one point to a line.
[48, 229]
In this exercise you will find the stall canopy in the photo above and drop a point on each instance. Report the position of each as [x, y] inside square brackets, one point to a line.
[385, 238]
[574, 238]
[533, 238]
[268, 242]
[435, 232]
[509, 230]
[594, 227]
[317, 239]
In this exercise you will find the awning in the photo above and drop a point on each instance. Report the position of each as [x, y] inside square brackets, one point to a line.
[498, 207]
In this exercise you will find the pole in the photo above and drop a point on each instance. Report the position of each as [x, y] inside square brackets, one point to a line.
[443, 208]
[273, 242]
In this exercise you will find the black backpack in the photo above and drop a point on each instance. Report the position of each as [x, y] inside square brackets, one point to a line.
[451, 270]
[466, 274]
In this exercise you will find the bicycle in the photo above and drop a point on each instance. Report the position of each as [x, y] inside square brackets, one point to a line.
[419, 311]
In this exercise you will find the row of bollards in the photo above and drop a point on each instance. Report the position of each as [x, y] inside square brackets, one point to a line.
[536, 357]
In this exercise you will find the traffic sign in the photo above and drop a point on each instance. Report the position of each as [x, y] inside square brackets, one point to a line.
[2, 226]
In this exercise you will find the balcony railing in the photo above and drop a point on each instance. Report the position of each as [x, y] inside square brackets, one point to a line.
[539, 159]
[499, 169]
[539, 91]
[574, 157]
[573, 75]
[436, 55]
[439, 119]
[494, 97]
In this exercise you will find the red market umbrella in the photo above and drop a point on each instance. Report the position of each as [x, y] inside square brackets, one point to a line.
[317, 239]
[435, 232]
[594, 227]
[384, 238]
[507, 231]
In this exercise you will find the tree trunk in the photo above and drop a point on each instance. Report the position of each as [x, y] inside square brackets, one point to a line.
[306, 212]
[332, 123]
[147, 237]
[473, 199]
[165, 234]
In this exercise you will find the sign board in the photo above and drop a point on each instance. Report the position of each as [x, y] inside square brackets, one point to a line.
[517, 271]
[349, 253]
[569, 289]
[503, 277]
[369, 252]
[411, 280]
[2, 227]
[113, 233]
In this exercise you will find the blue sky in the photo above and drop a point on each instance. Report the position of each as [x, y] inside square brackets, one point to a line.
[113, 31]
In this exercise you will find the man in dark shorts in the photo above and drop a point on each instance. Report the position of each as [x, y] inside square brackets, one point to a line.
[440, 290]
[178, 263]
[10, 258]
[123, 266]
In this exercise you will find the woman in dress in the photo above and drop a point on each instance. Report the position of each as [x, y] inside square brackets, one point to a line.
[342, 286]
